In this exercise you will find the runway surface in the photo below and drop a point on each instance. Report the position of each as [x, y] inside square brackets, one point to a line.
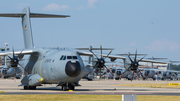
[90, 87]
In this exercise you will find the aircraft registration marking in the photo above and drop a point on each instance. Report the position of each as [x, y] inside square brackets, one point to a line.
[40, 68]
[48, 61]
[174, 84]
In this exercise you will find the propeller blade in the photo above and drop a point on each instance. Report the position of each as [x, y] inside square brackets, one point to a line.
[15, 75]
[23, 68]
[141, 75]
[13, 52]
[100, 75]
[124, 72]
[105, 67]
[108, 54]
[101, 51]
[20, 53]
[135, 56]
[93, 54]
[9, 57]
[130, 59]
[132, 76]
[142, 58]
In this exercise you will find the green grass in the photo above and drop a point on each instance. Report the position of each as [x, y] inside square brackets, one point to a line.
[150, 85]
[2, 92]
[66, 97]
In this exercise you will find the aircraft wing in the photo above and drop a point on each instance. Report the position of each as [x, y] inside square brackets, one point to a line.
[114, 57]
[84, 53]
[153, 61]
[104, 55]
[24, 52]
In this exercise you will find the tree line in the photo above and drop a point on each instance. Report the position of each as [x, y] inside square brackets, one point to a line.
[175, 67]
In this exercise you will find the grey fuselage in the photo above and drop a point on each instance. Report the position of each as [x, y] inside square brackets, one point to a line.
[10, 72]
[48, 63]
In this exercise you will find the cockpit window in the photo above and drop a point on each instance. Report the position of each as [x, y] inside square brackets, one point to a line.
[69, 57]
[63, 57]
[74, 57]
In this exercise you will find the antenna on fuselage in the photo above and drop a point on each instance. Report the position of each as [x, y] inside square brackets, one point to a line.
[26, 23]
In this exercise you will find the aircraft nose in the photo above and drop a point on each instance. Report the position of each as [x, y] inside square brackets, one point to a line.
[113, 70]
[146, 73]
[4, 71]
[73, 69]
[118, 72]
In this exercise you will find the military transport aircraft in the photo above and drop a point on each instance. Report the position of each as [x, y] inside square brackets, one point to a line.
[60, 66]
[121, 72]
[10, 72]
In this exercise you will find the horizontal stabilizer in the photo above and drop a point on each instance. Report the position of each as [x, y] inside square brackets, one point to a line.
[94, 48]
[12, 14]
[33, 15]
[132, 54]
[157, 58]
[37, 15]
[175, 61]
[26, 23]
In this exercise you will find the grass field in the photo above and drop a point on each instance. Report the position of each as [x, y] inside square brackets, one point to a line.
[150, 85]
[65, 97]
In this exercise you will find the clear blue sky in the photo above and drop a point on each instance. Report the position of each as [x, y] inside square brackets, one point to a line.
[150, 26]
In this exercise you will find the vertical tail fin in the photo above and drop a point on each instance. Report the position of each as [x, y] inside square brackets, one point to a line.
[26, 26]
[26, 23]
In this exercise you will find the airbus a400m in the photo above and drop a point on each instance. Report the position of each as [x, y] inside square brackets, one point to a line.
[59, 66]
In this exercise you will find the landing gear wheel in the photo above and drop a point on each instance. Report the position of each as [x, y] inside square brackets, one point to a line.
[71, 87]
[32, 87]
[17, 77]
[64, 88]
[89, 79]
[5, 77]
[26, 87]
[116, 78]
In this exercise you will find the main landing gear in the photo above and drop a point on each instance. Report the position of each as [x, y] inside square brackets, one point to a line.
[67, 86]
[29, 87]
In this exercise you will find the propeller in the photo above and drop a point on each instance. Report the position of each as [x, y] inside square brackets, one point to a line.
[134, 64]
[15, 61]
[100, 63]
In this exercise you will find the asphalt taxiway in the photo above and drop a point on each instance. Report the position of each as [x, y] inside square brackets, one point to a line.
[8, 86]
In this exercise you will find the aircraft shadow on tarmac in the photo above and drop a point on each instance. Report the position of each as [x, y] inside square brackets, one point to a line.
[113, 89]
